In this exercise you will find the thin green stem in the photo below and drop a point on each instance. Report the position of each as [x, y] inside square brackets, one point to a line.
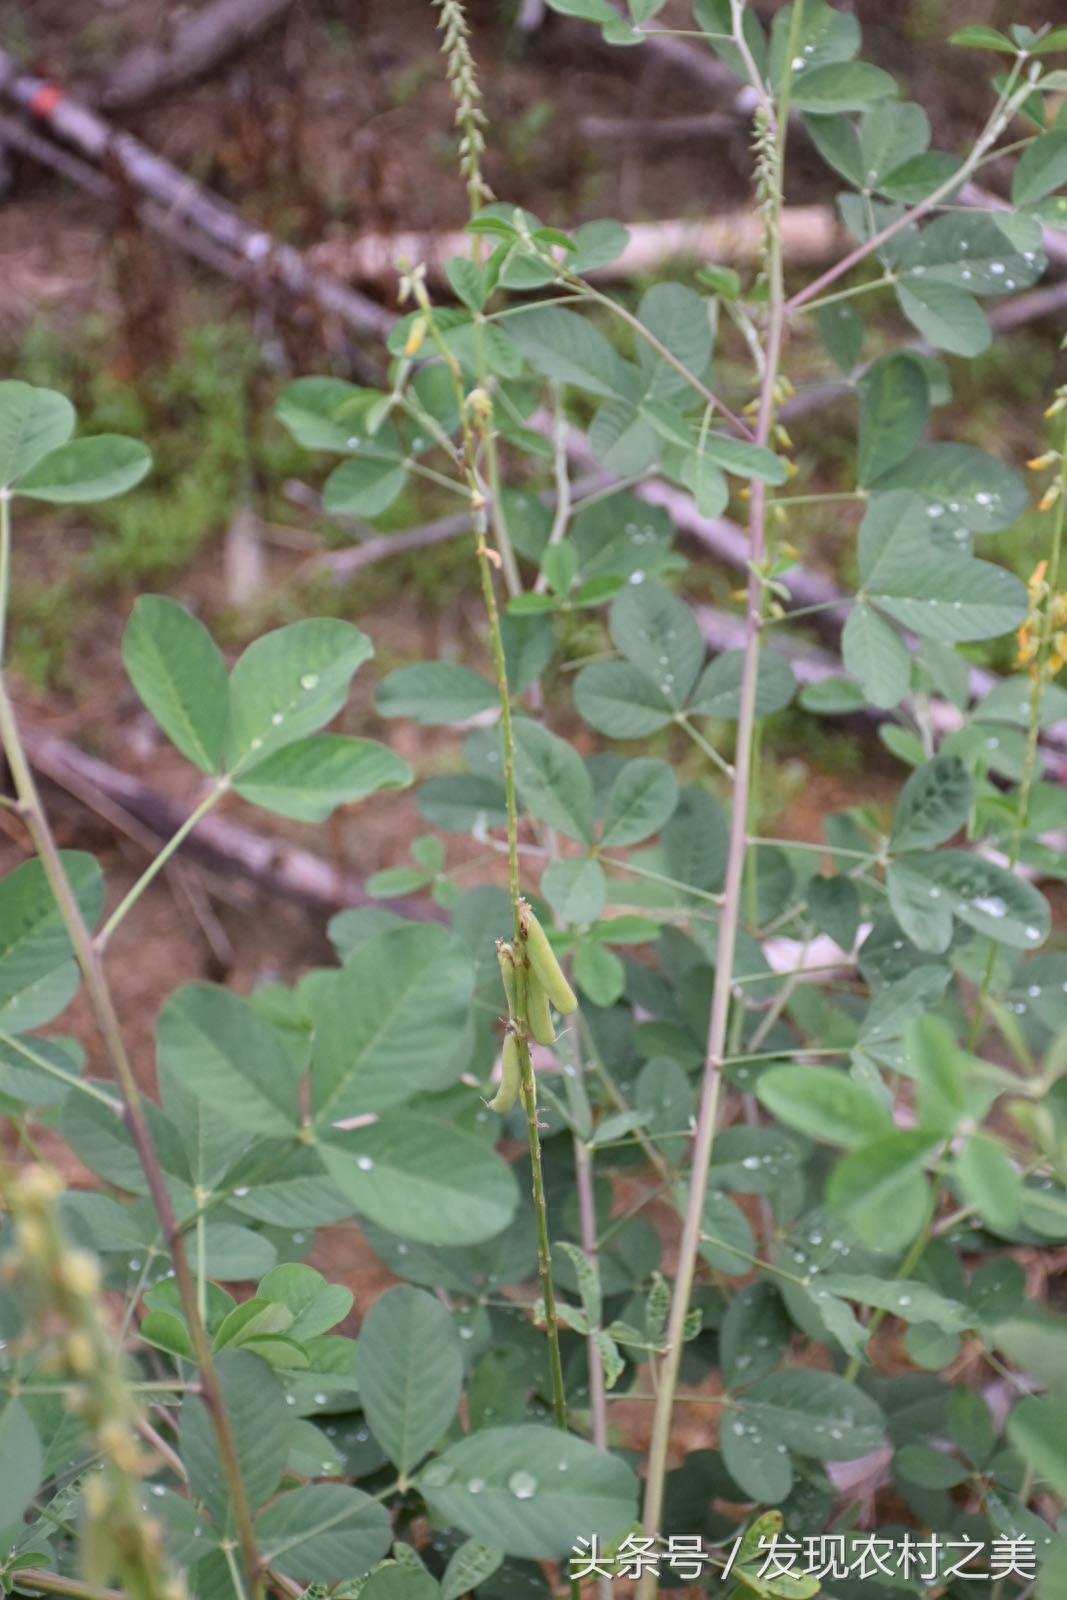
[152, 871]
[883, 282]
[702, 744]
[1002, 112]
[774, 126]
[587, 291]
[103, 1007]
[1039, 676]
[11, 1042]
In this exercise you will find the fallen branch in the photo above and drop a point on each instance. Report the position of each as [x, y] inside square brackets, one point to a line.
[198, 41]
[810, 234]
[281, 868]
[657, 130]
[253, 252]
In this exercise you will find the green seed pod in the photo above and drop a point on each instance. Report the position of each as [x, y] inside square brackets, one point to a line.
[538, 1015]
[510, 1077]
[544, 963]
[507, 973]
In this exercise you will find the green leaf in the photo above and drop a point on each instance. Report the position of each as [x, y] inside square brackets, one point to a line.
[531, 1491]
[933, 805]
[981, 38]
[919, 906]
[834, 905]
[598, 244]
[35, 948]
[86, 470]
[821, 34]
[470, 1565]
[938, 1066]
[600, 974]
[990, 1183]
[33, 423]
[1035, 1428]
[576, 889]
[718, 694]
[423, 1180]
[961, 485]
[261, 1424]
[309, 408]
[679, 319]
[744, 459]
[894, 407]
[971, 251]
[1042, 168]
[434, 693]
[947, 317]
[21, 1460]
[841, 330]
[754, 1334]
[621, 438]
[658, 634]
[620, 700]
[568, 348]
[823, 1103]
[308, 780]
[726, 1238]
[639, 802]
[290, 683]
[706, 483]
[880, 1187]
[756, 1457]
[223, 1052]
[392, 1023]
[891, 134]
[841, 86]
[391, 1581]
[815, 1414]
[410, 1373]
[365, 486]
[316, 1306]
[468, 281]
[1034, 1341]
[937, 593]
[905, 1298]
[988, 898]
[180, 675]
[323, 1533]
[553, 782]
[876, 656]
[929, 1468]
[59, 1064]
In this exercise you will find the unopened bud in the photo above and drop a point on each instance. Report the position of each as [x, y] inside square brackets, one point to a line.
[80, 1273]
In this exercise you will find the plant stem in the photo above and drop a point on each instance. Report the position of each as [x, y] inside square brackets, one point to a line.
[53, 1583]
[11, 1042]
[89, 961]
[174, 843]
[776, 122]
[1033, 736]
[661, 350]
[1001, 114]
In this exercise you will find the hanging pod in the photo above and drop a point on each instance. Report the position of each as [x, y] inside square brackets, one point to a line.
[546, 967]
[510, 1077]
[538, 1015]
[506, 958]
